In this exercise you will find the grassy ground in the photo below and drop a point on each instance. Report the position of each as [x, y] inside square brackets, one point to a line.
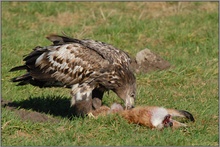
[184, 33]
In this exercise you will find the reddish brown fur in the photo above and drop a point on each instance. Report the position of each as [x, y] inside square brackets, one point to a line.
[138, 115]
[102, 111]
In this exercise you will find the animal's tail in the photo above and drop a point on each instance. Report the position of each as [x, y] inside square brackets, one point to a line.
[181, 113]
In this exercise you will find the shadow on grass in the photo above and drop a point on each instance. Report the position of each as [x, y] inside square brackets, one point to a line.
[53, 105]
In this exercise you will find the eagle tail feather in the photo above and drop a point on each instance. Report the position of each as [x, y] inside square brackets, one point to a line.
[21, 78]
[22, 67]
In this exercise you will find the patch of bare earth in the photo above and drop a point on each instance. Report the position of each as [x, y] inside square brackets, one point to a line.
[27, 114]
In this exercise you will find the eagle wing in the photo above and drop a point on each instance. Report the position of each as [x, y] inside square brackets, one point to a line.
[107, 51]
[69, 61]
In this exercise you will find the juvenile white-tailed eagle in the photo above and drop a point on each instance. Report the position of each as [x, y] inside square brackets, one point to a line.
[88, 67]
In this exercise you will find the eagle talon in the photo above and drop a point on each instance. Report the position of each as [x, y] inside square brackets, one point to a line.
[90, 115]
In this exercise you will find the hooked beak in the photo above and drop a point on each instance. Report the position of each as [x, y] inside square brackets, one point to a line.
[129, 103]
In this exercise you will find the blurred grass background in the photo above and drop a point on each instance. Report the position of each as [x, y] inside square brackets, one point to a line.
[184, 33]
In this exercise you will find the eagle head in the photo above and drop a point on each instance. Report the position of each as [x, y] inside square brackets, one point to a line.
[128, 94]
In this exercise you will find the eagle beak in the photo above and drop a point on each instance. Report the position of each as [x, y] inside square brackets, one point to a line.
[129, 103]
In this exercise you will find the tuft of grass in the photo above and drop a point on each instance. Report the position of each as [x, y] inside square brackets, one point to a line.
[184, 33]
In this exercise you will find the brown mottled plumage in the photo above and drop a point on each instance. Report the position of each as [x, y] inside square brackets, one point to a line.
[88, 67]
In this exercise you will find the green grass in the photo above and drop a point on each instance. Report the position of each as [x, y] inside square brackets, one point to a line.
[185, 34]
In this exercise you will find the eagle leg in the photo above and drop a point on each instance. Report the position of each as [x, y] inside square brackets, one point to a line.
[81, 108]
[81, 102]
